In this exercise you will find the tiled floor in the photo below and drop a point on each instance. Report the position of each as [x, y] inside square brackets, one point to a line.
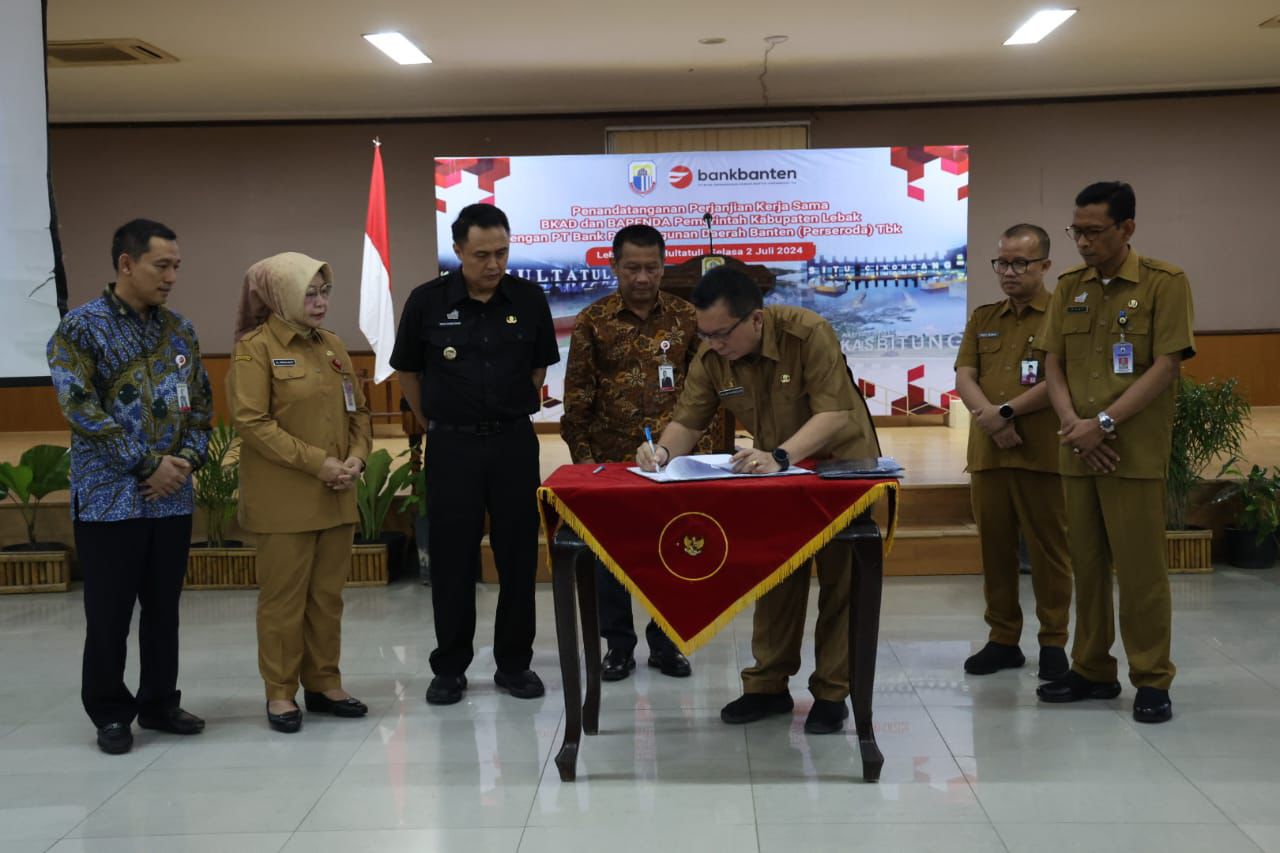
[972, 764]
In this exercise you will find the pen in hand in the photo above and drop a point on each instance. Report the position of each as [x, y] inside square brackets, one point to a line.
[598, 469]
[648, 436]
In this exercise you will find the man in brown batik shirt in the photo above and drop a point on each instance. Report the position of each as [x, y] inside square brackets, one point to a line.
[628, 358]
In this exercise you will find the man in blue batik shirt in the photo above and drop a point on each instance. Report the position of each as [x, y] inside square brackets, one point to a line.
[133, 388]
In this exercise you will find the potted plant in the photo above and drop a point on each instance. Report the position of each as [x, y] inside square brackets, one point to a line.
[1208, 423]
[375, 491]
[416, 501]
[35, 566]
[1252, 543]
[219, 562]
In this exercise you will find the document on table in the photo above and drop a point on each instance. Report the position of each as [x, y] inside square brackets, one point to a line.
[705, 466]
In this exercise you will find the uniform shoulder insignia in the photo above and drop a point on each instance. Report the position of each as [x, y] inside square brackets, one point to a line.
[1162, 266]
[253, 334]
[1078, 268]
[243, 357]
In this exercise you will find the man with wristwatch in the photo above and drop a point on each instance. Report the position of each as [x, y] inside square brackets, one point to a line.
[1013, 460]
[1116, 333]
[781, 372]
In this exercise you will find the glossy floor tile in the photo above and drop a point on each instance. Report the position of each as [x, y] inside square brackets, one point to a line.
[971, 763]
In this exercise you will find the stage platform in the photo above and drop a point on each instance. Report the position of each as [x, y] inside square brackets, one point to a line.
[936, 533]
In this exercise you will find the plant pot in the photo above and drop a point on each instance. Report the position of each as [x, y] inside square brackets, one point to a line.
[1189, 551]
[368, 564]
[1244, 551]
[231, 567]
[39, 567]
[421, 536]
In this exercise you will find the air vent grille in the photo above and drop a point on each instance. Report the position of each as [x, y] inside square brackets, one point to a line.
[71, 54]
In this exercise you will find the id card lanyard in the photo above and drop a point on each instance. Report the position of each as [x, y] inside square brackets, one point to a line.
[666, 370]
[1029, 370]
[1122, 352]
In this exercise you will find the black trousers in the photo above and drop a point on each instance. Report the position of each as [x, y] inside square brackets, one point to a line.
[467, 476]
[142, 560]
[616, 623]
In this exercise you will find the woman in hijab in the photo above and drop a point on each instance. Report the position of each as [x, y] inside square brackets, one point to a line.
[305, 433]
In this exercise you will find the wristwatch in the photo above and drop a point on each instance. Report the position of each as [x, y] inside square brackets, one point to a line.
[782, 457]
[1006, 412]
[1106, 422]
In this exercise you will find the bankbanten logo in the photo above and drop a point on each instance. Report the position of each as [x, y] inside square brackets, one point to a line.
[680, 177]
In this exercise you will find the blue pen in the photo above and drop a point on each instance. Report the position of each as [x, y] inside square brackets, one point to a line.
[648, 436]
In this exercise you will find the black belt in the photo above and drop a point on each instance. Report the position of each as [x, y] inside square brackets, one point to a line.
[478, 428]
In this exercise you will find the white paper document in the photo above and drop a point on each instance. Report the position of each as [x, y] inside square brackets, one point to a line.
[705, 466]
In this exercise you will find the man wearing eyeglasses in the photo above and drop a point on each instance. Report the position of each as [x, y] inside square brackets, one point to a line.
[1116, 332]
[1013, 459]
[781, 372]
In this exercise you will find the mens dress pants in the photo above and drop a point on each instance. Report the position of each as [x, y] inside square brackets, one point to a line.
[469, 475]
[143, 561]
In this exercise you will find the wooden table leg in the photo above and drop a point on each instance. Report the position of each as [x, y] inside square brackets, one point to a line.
[587, 606]
[562, 592]
[864, 634]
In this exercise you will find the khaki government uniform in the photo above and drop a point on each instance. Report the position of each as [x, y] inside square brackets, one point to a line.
[286, 395]
[1017, 489]
[799, 372]
[1117, 519]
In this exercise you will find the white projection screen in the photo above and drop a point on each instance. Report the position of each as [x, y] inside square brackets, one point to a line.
[31, 281]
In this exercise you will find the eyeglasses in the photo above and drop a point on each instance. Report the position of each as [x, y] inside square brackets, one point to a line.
[313, 293]
[722, 335]
[1018, 265]
[1090, 233]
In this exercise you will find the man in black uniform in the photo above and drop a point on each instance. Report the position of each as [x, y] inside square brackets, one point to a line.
[471, 354]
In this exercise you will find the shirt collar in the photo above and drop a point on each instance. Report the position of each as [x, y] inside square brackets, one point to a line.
[285, 332]
[1039, 304]
[616, 307]
[1128, 270]
[122, 308]
[456, 289]
[769, 337]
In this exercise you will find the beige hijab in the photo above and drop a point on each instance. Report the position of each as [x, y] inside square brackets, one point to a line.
[278, 285]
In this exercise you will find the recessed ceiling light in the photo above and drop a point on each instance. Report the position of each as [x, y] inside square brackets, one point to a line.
[1040, 25]
[399, 48]
[712, 40]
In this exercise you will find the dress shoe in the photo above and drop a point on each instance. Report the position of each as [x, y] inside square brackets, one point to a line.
[750, 707]
[1053, 663]
[322, 704]
[174, 720]
[522, 685]
[994, 657]
[672, 663]
[115, 738]
[446, 689]
[826, 717]
[1076, 688]
[289, 722]
[1152, 705]
[617, 665]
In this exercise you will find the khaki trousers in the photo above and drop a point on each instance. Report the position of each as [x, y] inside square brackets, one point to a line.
[1117, 522]
[300, 580]
[1006, 501]
[778, 629]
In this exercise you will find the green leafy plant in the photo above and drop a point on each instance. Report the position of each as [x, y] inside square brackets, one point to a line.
[376, 490]
[42, 470]
[217, 483]
[1259, 496]
[1209, 422]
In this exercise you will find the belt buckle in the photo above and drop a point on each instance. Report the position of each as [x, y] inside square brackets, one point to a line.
[488, 428]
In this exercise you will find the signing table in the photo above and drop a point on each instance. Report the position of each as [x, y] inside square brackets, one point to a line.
[695, 554]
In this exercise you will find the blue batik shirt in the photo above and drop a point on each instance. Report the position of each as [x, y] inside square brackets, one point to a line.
[117, 378]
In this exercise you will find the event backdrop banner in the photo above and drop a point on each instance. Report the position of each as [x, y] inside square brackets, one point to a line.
[873, 239]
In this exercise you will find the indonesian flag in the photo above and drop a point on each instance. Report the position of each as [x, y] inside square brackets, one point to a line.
[377, 313]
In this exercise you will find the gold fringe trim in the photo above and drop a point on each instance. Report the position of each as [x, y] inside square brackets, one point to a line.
[777, 576]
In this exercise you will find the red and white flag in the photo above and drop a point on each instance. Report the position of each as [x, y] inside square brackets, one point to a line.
[377, 312]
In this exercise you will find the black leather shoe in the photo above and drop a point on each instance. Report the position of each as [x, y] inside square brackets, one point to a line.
[994, 657]
[1053, 663]
[671, 663]
[1076, 688]
[115, 738]
[174, 720]
[826, 717]
[289, 722]
[750, 707]
[446, 689]
[617, 665]
[322, 704]
[522, 685]
[1152, 705]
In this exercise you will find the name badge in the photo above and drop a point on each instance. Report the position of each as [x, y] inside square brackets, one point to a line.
[445, 323]
[988, 334]
[666, 377]
[1122, 357]
[1030, 371]
[283, 362]
[183, 393]
[1077, 309]
[735, 391]
[349, 393]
